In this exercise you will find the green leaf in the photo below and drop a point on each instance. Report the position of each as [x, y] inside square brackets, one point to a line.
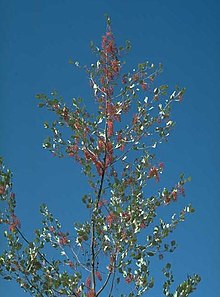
[150, 254]
[46, 125]
[168, 266]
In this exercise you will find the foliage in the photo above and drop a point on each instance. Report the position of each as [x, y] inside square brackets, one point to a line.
[114, 147]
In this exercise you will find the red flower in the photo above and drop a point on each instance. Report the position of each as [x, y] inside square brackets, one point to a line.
[12, 195]
[110, 49]
[102, 80]
[56, 106]
[70, 263]
[115, 66]
[108, 160]
[154, 173]
[14, 223]
[124, 79]
[98, 275]
[101, 144]
[88, 282]
[104, 40]
[142, 225]
[108, 91]
[135, 77]
[65, 113]
[72, 150]
[129, 278]
[174, 195]
[99, 167]
[135, 119]
[90, 155]
[111, 264]
[181, 190]
[52, 229]
[180, 97]
[110, 218]
[110, 127]
[161, 257]
[109, 75]
[161, 165]
[2, 190]
[91, 293]
[63, 240]
[77, 125]
[102, 202]
[144, 86]
[167, 199]
[110, 109]
[126, 216]
[87, 154]
[109, 147]
[109, 33]
[119, 139]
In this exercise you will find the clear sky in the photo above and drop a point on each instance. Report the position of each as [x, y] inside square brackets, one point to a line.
[38, 38]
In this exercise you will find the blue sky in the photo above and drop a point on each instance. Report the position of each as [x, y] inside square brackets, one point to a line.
[37, 40]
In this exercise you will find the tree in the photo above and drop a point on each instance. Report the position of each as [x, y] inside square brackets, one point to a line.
[111, 252]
